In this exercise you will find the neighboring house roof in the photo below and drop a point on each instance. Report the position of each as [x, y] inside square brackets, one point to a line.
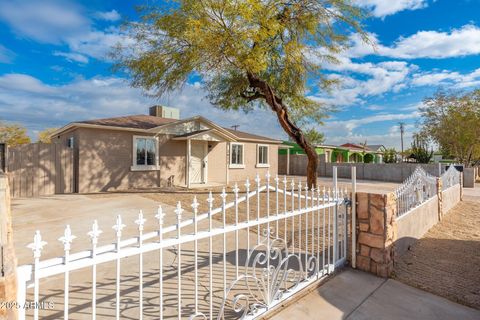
[354, 146]
[149, 123]
[376, 147]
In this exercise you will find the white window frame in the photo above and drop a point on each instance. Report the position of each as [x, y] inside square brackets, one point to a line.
[136, 167]
[263, 165]
[234, 165]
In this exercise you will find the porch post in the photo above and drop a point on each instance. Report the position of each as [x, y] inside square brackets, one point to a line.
[189, 150]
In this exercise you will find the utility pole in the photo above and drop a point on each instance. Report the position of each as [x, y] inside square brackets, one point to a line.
[235, 127]
[402, 131]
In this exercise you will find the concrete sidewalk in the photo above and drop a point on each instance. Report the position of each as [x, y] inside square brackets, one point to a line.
[357, 295]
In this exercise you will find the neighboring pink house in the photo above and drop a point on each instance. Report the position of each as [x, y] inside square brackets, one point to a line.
[157, 150]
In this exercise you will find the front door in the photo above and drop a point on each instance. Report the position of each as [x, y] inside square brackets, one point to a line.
[197, 162]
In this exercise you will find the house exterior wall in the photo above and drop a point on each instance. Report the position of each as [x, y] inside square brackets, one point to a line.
[172, 161]
[217, 162]
[104, 159]
[250, 161]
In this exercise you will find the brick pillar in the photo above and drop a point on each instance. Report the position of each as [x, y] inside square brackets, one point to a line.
[8, 281]
[440, 199]
[376, 233]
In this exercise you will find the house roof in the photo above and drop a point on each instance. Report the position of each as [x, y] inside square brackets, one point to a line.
[139, 121]
[146, 122]
[248, 136]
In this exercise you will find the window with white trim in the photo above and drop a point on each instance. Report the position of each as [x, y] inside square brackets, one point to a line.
[262, 155]
[236, 154]
[145, 152]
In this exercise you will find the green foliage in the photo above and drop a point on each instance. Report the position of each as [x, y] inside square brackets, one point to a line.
[420, 149]
[452, 120]
[314, 137]
[13, 134]
[280, 42]
[390, 155]
[44, 136]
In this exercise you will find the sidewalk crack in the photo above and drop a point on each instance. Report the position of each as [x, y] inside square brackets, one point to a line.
[366, 298]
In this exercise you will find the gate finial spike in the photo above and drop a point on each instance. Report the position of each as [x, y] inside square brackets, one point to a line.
[210, 198]
[95, 232]
[195, 204]
[223, 195]
[257, 179]
[160, 215]
[235, 189]
[247, 184]
[37, 244]
[67, 238]
[140, 221]
[179, 211]
[118, 227]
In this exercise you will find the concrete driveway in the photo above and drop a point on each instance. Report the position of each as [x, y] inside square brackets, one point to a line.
[50, 214]
[356, 295]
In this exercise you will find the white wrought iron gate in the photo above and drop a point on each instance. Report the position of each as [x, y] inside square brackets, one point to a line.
[262, 245]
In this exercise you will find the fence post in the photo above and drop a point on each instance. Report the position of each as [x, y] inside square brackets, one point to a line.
[354, 217]
[8, 281]
[440, 198]
[335, 218]
[3, 157]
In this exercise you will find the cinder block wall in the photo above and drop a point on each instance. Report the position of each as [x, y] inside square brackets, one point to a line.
[382, 236]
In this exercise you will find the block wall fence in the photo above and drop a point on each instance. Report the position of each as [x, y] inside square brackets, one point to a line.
[382, 236]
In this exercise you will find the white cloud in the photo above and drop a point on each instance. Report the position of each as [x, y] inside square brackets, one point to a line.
[43, 21]
[108, 15]
[71, 56]
[376, 79]
[30, 101]
[447, 78]
[61, 23]
[6, 55]
[383, 8]
[423, 44]
[360, 130]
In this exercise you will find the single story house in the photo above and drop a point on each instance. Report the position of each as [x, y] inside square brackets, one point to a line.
[159, 149]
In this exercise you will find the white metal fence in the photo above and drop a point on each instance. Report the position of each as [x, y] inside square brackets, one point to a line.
[450, 177]
[235, 261]
[417, 189]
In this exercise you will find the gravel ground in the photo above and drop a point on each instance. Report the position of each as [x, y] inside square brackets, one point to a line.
[446, 261]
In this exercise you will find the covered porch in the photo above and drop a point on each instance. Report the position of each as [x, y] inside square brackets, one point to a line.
[202, 147]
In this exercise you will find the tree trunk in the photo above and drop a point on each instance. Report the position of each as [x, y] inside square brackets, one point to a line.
[290, 128]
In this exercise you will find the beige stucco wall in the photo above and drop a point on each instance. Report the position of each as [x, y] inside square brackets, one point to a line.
[450, 198]
[105, 158]
[217, 162]
[172, 160]
[250, 161]
[415, 224]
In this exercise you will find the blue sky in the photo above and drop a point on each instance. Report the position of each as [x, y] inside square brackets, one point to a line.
[54, 68]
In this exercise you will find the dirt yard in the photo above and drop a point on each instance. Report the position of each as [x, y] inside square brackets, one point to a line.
[446, 261]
